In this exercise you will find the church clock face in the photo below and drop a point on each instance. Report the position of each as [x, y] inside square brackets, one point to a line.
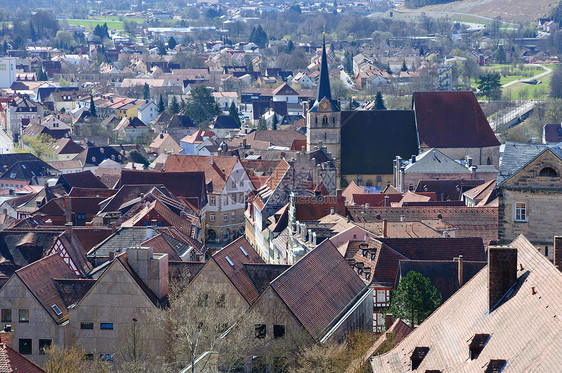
[324, 105]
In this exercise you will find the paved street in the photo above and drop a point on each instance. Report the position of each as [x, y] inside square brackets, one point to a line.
[6, 144]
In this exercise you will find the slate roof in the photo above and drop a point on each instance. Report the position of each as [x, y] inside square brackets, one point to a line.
[225, 122]
[318, 288]
[371, 140]
[435, 162]
[38, 278]
[451, 120]
[324, 90]
[9, 159]
[127, 123]
[84, 179]
[524, 329]
[447, 190]
[12, 361]
[125, 194]
[261, 275]
[265, 139]
[20, 247]
[181, 120]
[94, 155]
[236, 272]
[28, 170]
[166, 244]
[517, 156]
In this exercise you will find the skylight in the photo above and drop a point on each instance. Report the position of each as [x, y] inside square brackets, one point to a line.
[229, 261]
[56, 309]
[243, 251]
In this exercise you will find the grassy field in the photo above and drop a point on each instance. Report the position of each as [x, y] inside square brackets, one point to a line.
[91, 23]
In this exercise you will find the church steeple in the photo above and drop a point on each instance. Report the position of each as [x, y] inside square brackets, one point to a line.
[324, 84]
[324, 99]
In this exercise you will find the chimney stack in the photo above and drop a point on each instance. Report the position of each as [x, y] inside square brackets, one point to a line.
[385, 228]
[212, 159]
[460, 272]
[151, 268]
[502, 272]
[558, 252]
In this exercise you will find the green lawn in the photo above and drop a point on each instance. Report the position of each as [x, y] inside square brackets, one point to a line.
[529, 91]
[91, 23]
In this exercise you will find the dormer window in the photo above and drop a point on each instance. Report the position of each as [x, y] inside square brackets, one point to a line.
[477, 345]
[495, 366]
[417, 356]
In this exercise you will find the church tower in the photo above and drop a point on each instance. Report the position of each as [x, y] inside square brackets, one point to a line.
[323, 120]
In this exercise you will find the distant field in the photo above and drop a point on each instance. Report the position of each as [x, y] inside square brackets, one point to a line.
[91, 23]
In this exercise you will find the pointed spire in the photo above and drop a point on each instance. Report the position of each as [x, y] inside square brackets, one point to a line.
[324, 84]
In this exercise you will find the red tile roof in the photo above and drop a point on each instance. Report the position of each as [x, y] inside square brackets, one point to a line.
[451, 120]
[12, 361]
[216, 173]
[318, 288]
[374, 199]
[38, 278]
[236, 273]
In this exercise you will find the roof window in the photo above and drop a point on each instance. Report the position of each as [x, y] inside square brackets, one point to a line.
[243, 251]
[229, 261]
[417, 356]
[56, 309]
[477, 345]
[495, 366]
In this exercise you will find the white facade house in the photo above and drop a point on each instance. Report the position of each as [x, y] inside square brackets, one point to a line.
[7, 71]
[148, 112]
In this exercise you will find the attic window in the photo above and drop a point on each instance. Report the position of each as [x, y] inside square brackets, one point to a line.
[547, 171]
[56, 309]
[477, 345]
[229, 261]
[23, 166]
[12, 175]
[495, 366]
[417, 356]
[243, 251]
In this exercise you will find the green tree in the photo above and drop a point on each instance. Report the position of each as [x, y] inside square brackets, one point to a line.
[41, 145]
[500, 55]
[290, 47]
[174, 106]
[274, 122]
[404, 66]
[161, 105]
[414, 299]
[259, 37]
[201, 105]
[233, 111]
[172, 43]
[161, 48]
[379, 102]
[93, 107]
[262, 124]
[556, 83]
[146, 94]
[489, 85]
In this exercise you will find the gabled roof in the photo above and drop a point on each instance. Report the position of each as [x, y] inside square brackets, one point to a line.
[284, 90]
[28, 170]
[447, 190]
[84, 179]
[517, 156]
[166, 244]
[225, 122]
[318, 288]
[531, 309]
[216, 173]
[94, 155]
[231, 259]
[12, 361]
[433, 161]
[38, 278]
[451, 120]
[66, 146]
[369, 144]
[197, 137]
[127, 123]
[125, 194]
[165, 215]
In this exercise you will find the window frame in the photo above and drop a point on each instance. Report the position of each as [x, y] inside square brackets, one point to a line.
[8, 311]
[24, 319]
[279, 331]
[520, 212]
[26, 341]
[212, 217]
[106, 326]
[85, 325]
[43, 344]
[260, 331]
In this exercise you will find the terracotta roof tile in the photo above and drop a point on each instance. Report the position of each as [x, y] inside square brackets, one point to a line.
[12, 361]
[451, 120]
[38, 278]
[231, 260]
[318, 288]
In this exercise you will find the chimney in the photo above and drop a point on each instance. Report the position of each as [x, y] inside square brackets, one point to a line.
[244, 143]
[7, 336]
[161, 135]
[385, 228]
[468, 161]
[113, 227]
[148, 233]
[460, 271]
[557, 252]
[212, 159]
[332, 211]
[111, 255]
[502, 272]
[151, 268]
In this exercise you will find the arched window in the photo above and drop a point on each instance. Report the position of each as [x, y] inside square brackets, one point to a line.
[548, 171]
[325, 120]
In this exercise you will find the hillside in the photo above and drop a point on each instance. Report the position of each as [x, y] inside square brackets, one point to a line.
[509, 10]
